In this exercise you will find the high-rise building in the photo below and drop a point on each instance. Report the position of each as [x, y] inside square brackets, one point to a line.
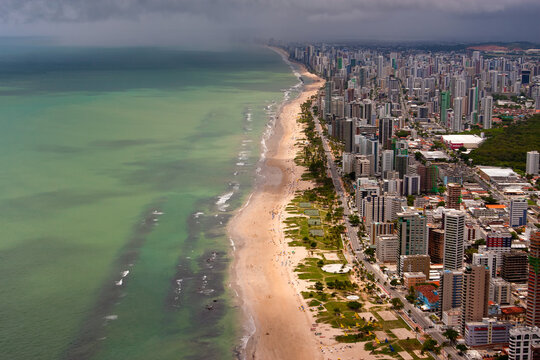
[380, 66]
[329, 87]
[533, 286]
[518, 212]
[454, 227]
[348, 134]
[488, 112]
[514, 267]
[412, 233]
[387, 249]
[411, 185]
[414, 263]
[487, 259]
[402, 165]
[428, 177]
[473, 104]
[451, 288]
[500, 291]
[445, 105]
[453, 199]
[457, 124]
[475, 295]
[436, 245]
[499, 242]
[387, 161]
[524, 340]
[385, 131]
[533, 157]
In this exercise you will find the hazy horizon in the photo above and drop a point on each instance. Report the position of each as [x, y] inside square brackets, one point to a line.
[206, 23]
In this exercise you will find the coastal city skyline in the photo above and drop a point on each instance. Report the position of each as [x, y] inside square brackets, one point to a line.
[270, 179]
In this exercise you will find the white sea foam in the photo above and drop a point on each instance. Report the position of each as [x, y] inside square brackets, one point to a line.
[119, 282]
[198, 214]
[111, 317]
[232, 244]
[222, 201]
[125, 273]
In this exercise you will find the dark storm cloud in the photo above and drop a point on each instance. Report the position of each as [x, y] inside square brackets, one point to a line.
[288, 19]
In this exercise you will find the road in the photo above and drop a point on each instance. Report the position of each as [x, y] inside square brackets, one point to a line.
[419, 317]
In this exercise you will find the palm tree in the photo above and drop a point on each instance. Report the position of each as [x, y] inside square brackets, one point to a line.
[451, 335]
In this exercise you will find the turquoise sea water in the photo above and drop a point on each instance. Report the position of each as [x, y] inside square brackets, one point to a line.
[117, 160]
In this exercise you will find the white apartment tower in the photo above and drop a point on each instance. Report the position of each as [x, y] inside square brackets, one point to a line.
[454, 233]
[533, 158]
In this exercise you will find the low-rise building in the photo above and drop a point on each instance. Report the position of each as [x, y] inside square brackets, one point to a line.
[413, 279]
[451, 317]
[487, 332]
[428, 297]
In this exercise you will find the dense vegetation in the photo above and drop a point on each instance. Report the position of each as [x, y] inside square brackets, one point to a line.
[509, 146]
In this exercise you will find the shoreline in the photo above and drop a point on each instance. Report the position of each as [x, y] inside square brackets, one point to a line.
[273, 325]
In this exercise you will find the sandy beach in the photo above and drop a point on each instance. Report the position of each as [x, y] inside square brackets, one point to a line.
[262, 260]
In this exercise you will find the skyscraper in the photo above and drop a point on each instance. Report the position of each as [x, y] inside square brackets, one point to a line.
[453, 199]
[454, 227]
[518, 212]
[475, 295]
[457, 124]
[428, 177]
[412, 234]
[533, 293]
[402, 165]
[380, 66]
[488, 112]
[387, 161]
[445, 105]
[329, 87]
[532, 162]
[385, 131]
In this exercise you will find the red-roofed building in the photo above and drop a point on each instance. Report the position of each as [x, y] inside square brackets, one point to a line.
[428, 296]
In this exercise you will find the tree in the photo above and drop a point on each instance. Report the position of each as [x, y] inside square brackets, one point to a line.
[354, 305]
[441, 203]
[354, 220]
[461, 347]
[429, 345]
[394, 282]
[319, 286]
[410, 200]
[397, 304]
[451, 335]
[369, 251]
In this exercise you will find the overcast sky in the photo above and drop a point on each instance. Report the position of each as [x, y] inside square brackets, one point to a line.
[186, 22]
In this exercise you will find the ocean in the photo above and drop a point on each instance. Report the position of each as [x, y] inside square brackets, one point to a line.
[120, 168]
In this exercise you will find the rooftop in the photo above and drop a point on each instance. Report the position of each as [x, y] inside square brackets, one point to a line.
[429, 292]
[463, 139]
[493, 171]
